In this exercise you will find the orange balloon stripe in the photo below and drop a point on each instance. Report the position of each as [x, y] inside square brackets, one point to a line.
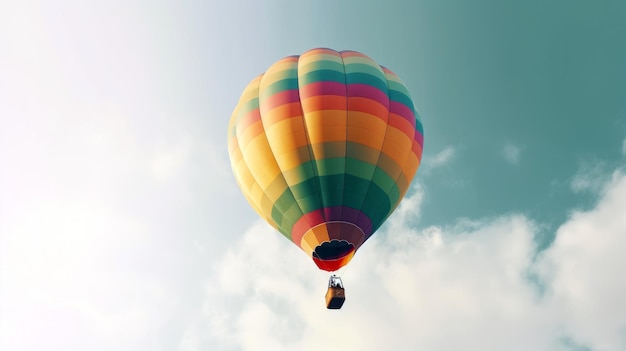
[325, 102]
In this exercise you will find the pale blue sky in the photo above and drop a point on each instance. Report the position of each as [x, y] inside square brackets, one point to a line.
[121, 226]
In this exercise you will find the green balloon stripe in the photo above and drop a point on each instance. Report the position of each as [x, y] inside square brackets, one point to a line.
[376, 207]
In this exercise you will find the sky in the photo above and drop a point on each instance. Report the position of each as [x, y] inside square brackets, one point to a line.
[122, 227]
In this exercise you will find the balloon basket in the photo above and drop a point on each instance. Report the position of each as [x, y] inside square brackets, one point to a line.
[335, 297]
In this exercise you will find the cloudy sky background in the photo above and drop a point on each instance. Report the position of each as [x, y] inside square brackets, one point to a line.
[121, 226]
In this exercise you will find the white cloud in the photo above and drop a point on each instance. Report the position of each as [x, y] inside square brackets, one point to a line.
[174, 161]
[168, 162]
[590, 176]
[463, 287]
[441, 158]
[584, 271]
[95, 252]
[511, 153]
[67, 279]
[99, 189]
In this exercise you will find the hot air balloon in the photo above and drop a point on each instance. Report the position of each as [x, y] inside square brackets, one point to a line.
[324, 146]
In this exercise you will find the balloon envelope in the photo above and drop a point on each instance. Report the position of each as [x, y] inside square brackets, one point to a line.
[324, 146]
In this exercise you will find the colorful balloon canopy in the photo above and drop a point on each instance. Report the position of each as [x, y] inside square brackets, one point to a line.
[324, 146]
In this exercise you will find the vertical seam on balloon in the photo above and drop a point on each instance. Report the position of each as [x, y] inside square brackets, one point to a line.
[345, 156]
[280, 173]
[313, 161]
[246, 193]
[248, 168]
[380, 152]
[409, 181]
